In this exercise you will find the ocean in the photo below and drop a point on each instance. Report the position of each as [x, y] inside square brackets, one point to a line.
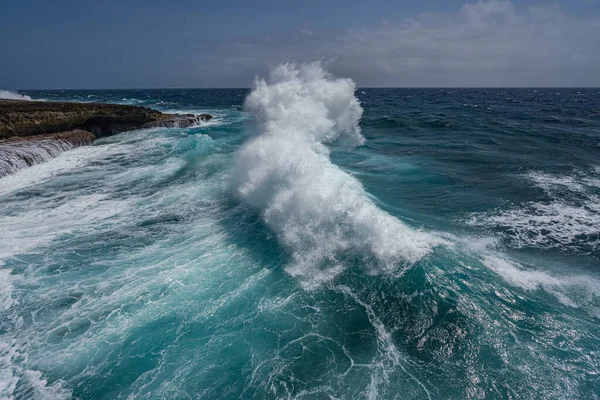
[313, 240]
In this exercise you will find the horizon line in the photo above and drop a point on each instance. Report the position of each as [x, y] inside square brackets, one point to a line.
[357, 88]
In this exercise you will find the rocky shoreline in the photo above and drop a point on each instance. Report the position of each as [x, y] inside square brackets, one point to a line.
[26, 127]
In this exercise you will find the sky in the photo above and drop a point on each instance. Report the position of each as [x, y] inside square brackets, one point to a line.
[71, 44]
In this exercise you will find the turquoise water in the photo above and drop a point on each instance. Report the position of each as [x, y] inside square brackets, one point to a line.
[449, 248]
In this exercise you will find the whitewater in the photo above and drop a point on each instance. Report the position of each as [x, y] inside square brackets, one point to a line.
[318, 211]
[313, 240]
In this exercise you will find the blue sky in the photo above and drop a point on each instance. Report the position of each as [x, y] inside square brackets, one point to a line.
[147, 44]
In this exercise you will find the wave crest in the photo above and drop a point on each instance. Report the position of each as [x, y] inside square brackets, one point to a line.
[319, 212]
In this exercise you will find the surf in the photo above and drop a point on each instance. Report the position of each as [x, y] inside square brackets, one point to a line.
[10, 95]
[318, 211]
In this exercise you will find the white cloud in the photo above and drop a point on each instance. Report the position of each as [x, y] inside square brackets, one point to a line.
[305, 30]
[486, 43]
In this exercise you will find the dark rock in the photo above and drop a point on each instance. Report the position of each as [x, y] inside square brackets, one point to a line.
[76, 138]
[26, 118]
[34, 131]
[179, 121]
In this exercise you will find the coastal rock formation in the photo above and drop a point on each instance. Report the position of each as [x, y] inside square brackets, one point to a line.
[25, 118]
[35, 131]
[179, 121]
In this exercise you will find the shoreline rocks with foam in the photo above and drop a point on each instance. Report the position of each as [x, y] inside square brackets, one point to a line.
[28, 127]
[20, 152]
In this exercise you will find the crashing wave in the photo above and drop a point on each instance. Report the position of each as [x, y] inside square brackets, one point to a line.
[319, 212]
[10, 95]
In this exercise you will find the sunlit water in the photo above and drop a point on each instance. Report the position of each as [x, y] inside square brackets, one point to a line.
[453, 254]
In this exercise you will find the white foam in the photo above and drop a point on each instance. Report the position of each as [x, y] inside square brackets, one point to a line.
[577, 182]
[166, 276]
[19, 155]
[39, 388]
[569, 220]
[28, 230]
[8, 379]
[19, 383]
[577, 291]
[527, 279]
[64, 162]
[546, 225]
[318, 211]
[10, 95]
[6, 289]
[125, 143]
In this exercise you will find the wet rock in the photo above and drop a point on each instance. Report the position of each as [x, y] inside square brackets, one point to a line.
[180, 121]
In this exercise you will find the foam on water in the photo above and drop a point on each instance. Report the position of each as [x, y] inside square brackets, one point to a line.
[32, 229]
[318, 211]
[64, 162]
[6, 288]
[93, 316]
[574, 289]
[19, 155]
[568, 220]
[577, 291]
[10, 95]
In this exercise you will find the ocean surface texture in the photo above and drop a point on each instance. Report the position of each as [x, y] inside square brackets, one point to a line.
[312, 241]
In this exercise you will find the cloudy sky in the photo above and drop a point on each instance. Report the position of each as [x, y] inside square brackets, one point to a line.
[183, 43]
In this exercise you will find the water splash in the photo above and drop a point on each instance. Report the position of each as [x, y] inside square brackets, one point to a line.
[10, 95]
[319, 212]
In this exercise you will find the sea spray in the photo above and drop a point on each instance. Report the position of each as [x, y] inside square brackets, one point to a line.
[319, 212]
[10, 95]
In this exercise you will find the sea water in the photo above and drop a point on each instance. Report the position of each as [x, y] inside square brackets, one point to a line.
[313, 240]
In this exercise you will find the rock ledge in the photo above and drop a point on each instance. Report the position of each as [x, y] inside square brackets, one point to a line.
[34, 131]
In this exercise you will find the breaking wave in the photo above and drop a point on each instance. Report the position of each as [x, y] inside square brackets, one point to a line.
[319, 212]
[10, 95]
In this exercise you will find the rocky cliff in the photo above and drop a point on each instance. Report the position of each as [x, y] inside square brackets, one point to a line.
[34, 131]
[27, 118]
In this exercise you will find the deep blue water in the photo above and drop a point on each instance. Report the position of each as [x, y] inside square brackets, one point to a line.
[145, 266]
